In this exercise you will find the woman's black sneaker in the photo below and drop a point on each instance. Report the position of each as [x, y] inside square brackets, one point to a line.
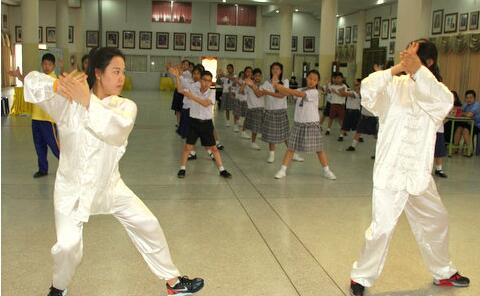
[185, 286]
[57, 292]
[351, 148]
[225, 174]
[192, 156]
[220, 146]
[356, 289]
[441, 174]
[181, 174]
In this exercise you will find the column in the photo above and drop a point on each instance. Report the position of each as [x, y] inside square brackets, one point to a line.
[408, 30]
[79, 35]
[259, 41]
[328, 29]
[360, 43]
[30, 35]
[62, 32]
[285, 55]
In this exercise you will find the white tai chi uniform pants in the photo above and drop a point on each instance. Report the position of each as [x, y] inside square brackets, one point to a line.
[141, 225]
[428, 220]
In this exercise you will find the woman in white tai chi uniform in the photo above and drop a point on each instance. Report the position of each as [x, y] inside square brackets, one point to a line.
[94, 128]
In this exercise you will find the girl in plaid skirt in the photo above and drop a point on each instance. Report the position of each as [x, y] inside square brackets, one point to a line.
[256, 106]
[247, 74]
[237, 104]
[305, 135]
[227, 80]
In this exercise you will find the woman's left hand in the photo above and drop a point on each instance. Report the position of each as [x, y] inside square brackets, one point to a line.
[74, 87]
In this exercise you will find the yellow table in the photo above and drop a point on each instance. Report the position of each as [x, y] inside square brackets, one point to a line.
[127, 85]
[454, 119]
[166, 83]
[19, 106]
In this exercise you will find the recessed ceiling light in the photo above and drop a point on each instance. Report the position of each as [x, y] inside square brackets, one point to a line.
[380, 2]
[224, 1]
[296, 9]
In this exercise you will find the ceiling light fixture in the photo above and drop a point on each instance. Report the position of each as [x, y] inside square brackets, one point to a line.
[380, 2]
[296, 9]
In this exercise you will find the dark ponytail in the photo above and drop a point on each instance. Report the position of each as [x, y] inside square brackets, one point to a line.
[100, 58]
[428, 50]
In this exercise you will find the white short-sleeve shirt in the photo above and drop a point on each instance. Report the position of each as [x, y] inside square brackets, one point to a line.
[198, 111]
[336, 99]
[306, 108]
[252, 100]
[273, 103]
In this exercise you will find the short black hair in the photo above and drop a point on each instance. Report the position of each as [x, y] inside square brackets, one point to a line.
[359, 80]
[313, 71]
[471, 92]
[336, 74]
[191, 64]
[48, 57]
[198, 69]
[230, 65]
[207, 73]
[256, 70]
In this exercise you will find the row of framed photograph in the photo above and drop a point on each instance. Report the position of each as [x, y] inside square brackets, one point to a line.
[308, 43]
[50, 34]
[383, 28]
[450, 23]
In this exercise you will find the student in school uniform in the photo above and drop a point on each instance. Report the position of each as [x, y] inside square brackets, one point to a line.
[305, 135]
[328, 99]
[237, 102]
[352, 114]
[177, 101]
[440, 153]
[337, 107]
[275, 127]
[226, 81]
[201, 124]
[247, 73]
[44, 128]
[367, 125]
[95, 123]
[410, 108]
[256, 106]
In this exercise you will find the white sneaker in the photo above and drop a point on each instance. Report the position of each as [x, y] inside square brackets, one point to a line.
[298, 158]
[236, 129]
[227, 124]
[244, 135]
[329, 175]
[280, 174]
[271, 158]
[255, 146]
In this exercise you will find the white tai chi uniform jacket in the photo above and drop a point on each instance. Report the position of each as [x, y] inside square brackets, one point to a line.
[410, 110]
[88, 180]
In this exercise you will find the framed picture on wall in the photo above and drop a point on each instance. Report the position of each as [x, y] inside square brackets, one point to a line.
[341, 35]
[437, 21]
[309, 44]
[274, 42]
[128, 39]
[451, 21]
[354, 34]
[179, 41]
[18, 34]
[474, 20]
[92, 39]
[112, 39]
[348, 35]
[4, 21]
[71, 36]
[368, 31]
[377, 26]
[385, 29]
[162, 40]
[248, 44]
[463, 24]
[393, 28]
[230, 42]
[196, 42]
[145, 40]
[294, 43]
[51, 35]
[40, 34]
[213, 41]
[391, 49]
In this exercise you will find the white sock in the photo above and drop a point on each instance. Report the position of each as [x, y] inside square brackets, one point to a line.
[283, 168]
[221, 168]
[193, 152]
[354, 143]
[182, 167]
[272, 153]
[326, 168]
[438, 167]
[341, 135]
[328, 129]
[209, 152]
[217, 142]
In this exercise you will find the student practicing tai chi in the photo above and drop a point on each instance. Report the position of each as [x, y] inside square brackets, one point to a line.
[410, 108]
[94, 127]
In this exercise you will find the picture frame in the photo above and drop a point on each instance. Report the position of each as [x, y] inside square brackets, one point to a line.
[385, 28]
[4, 21]
[162, 40]
[196, 41]
[179, 41]
[18, 34]
[393, 28]
[294, 43]
[71, 34]
[309, 44]
[92, 39]
[230, 42]
[274, 42]
[474, 20]
[213, 41]
[391, 48]
[377, 23]
[437, 22]
[128, 39]
[450, 24]
[112, 39]
[348, 35]
[51, 34]
[145, 40]
[368, 31]
[40, 34]
[341, 35]
[248, 44]
[463, 22]
[354, 34]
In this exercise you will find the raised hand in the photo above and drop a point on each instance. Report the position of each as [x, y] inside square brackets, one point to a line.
[410, 60]
[174, 71]
[74, 87]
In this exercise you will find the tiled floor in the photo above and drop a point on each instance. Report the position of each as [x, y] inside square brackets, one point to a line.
[251, 235]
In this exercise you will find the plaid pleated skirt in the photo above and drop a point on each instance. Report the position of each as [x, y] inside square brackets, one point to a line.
[244, 108]
[227, 101]
[237, 107]
[305, 137]
[254, 120]
[275, 126]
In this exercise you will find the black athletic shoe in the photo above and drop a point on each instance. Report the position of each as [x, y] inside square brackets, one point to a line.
[181, 174]
[327, 133]
[185, 286]
[455, 280]
[57, 292]
[351, 148]
[360, 140]
[356, 289]
[340, 139]
[220, 146]
[441, 174]
[192, 156]
[225, 174]
[40, 174]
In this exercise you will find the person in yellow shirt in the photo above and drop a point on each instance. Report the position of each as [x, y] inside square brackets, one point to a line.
[44, 129]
